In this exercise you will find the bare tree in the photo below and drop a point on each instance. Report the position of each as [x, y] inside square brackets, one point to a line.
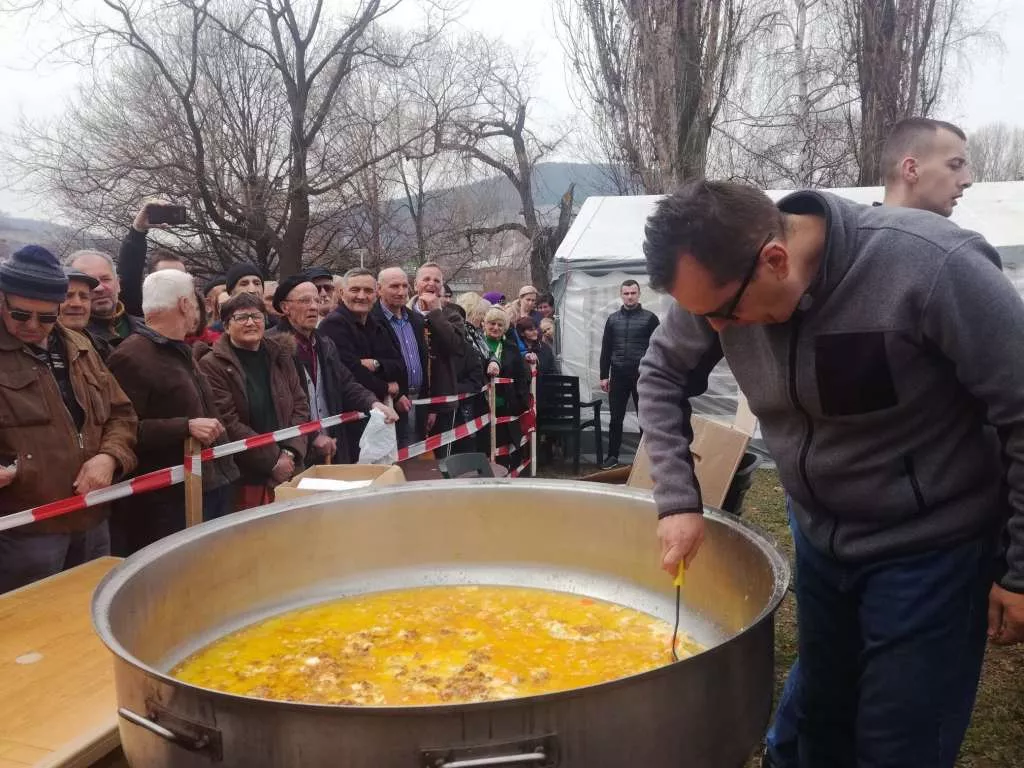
[787, 122]
[496, 135]
[657, 72]
[239, 103]
[902, 50]
[997, 152]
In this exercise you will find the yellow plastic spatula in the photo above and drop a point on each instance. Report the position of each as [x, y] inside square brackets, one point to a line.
[677, 582]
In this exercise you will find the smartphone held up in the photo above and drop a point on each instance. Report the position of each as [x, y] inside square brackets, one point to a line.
[172, 215]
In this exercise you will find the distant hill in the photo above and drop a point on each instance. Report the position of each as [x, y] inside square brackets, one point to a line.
[550, 182]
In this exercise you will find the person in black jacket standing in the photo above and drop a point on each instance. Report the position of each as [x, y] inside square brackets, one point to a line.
[627, 333]
[363, 344]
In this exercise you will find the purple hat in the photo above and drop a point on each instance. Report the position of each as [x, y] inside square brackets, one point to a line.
[495, 297]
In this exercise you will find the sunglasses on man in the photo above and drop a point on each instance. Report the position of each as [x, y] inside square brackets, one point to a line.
[24, 315]
[728, 310]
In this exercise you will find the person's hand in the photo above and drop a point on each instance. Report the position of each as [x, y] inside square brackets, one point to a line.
[604, 385]
[283, 469]
[429, 301]
[403, 404]
[392, 388]
[1005, 616]
[390, 417]
[369, 364]
[96, 473]
[7, 475]
[531, 358]
[205, 430]
[493, 369]
[431, 421]
[324, 445]
[681, 536]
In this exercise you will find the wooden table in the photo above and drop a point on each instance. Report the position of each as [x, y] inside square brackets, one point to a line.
[57, 701]
[430, 469]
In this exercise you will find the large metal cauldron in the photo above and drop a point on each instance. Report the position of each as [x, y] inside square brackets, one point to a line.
[195, 586]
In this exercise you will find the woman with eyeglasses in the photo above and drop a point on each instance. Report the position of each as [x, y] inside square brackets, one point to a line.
[257, 390]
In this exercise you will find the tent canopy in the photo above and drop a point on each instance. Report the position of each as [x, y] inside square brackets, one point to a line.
[604, 246]
[608, 232]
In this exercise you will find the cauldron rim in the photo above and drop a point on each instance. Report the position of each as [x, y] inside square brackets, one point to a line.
[107, 589]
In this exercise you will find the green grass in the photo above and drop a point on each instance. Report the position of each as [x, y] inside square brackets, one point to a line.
[996, 736]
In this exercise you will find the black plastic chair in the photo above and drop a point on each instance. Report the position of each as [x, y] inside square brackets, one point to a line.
[558, 413]
[459, 464]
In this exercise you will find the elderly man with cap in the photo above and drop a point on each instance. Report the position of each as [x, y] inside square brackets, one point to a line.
[67, 426]
[327, 296]
[110, 321]
[329, 384]
[244, 278]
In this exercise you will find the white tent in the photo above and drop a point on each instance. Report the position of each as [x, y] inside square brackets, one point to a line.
[604, 246]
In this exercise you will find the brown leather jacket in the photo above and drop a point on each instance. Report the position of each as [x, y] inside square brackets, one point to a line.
[36, 427]
[220, 365]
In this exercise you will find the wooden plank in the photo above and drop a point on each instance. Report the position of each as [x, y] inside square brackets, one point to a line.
[57, 700]
[193, 488]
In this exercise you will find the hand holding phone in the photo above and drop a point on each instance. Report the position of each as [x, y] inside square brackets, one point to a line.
[173, 215]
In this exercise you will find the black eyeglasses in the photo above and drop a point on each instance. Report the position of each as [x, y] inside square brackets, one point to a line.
[325, 288]
[24, 315]
[248, 317]
[728, 310]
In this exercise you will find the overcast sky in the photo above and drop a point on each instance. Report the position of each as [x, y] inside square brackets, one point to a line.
[990, 88]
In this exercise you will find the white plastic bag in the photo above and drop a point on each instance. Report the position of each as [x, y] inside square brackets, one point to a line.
[379, 443]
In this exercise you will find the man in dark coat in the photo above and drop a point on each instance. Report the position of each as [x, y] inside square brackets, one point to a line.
[406, 330]
[627, 333]
[156, 370]
[446, 343]
[363, 345]
[331, 387]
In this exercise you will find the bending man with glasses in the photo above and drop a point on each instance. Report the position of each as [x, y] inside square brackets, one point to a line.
[876, 346]
[66, 427]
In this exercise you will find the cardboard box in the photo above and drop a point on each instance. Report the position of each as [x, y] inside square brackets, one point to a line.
[375, 473]
[717, 450]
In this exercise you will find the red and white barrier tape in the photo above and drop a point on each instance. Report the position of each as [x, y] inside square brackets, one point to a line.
[434, 442]
[442, 399]
[521, 468]
[162, 478]
[505, 450]
[165, 478]
[500, 380]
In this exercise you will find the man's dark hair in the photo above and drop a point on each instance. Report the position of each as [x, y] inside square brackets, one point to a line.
[628, 283]
[162, 254]
[241, 301]
[719, 223]
[908, 137]
[546, 298]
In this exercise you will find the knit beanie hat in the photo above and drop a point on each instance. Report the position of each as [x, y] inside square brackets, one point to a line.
[34, 273]
[237, 272]
[212, 283]
[495, 297]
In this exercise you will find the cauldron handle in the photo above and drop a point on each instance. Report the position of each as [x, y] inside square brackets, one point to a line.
[532, 758]
[540, 752]
[204, 740]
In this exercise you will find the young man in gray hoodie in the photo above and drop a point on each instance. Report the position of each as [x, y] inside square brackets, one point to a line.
[876, 346]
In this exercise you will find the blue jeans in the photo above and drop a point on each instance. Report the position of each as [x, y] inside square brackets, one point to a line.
[27, 557]
[890, 656]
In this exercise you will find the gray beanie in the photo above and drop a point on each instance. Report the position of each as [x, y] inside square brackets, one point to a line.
[34, 273]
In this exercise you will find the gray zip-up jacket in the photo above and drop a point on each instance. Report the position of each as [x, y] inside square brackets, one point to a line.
[875, 398]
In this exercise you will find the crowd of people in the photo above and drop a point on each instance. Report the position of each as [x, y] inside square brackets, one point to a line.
[108, 367]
